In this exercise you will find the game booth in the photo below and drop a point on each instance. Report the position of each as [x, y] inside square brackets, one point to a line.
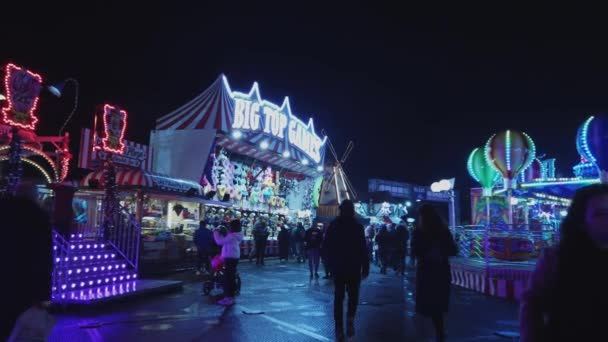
[168, 210]
[517, 211]
[254, 158]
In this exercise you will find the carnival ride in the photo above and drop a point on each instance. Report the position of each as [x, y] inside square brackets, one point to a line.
[517, 211]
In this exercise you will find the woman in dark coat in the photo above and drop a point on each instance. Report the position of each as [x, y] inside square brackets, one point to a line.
[432, 244]
[284, 239]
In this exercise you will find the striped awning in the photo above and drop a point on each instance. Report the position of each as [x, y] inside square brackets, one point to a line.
[145, 179]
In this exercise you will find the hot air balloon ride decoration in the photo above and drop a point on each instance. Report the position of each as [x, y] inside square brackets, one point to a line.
[484, 174]
[510, 152]
[591, 142]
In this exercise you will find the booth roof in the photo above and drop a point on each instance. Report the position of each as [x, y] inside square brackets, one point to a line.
[146, 179]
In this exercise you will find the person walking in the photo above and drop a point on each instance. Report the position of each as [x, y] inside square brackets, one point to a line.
[383, 241]
[324, 252]
[433, 244]
[347, 256]
[231, 252]
[299, 236]
[403, 235]
[260, 237]
[566, 298]
[312, 240]
[283, 240]
[370, 233]
[203, 239]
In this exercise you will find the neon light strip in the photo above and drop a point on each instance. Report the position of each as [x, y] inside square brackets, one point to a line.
[121, 141]
[508, 150]
[470, 165]
[49, 160]
[584, 144]
[572, 182]
[10, 68]
[34, 164]
[285, 107]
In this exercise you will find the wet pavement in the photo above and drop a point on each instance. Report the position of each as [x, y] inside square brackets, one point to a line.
[278, 303]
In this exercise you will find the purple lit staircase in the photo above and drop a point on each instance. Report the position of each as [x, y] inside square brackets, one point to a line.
[88, 270]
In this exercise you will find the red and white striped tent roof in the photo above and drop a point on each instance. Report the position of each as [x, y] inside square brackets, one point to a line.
[144, 179]
[214, 109]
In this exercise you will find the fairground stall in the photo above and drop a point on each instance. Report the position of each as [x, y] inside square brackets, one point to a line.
[84, 269]
[518, 209]
[250, 153]
[169, 210]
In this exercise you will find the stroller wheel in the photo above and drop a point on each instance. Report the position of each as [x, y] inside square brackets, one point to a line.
[238, 283]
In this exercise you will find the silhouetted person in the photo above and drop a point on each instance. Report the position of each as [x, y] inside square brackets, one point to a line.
[231, 252]
[403, 235]
[383, 241]
[203, 239]
[283, 241]
[567, 296]
[433, 244]
[346, 251]
[260, 238]
[27, 255]
[313, 240]
[299, 235]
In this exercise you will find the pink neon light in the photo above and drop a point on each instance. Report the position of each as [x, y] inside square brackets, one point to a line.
[10, 69]
[65, 165]
[107, 109]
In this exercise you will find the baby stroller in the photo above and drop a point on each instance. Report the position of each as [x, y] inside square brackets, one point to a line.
[216, 278]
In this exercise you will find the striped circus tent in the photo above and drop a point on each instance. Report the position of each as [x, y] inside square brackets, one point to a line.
[212, 109]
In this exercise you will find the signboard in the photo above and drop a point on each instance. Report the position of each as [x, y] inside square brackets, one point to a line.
[135, 155]
[22, 90]
[252, 114]
[114, 127]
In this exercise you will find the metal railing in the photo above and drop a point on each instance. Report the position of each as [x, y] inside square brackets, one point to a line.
[125, 237]
[61, 254]
[516, 244]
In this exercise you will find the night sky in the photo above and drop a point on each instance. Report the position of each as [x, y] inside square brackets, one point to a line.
[415, 90]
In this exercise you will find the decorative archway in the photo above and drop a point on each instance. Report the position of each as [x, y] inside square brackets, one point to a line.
[46, 175]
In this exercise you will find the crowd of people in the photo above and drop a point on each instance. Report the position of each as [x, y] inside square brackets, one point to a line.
[565, 300]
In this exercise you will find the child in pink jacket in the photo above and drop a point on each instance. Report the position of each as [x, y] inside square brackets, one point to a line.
[231, 252]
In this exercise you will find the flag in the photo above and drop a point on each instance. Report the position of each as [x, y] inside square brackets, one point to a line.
[206, 176]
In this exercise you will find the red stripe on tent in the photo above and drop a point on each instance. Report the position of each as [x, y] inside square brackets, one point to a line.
[203, 123]
[176, 118]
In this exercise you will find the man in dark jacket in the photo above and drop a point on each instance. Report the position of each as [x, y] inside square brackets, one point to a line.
[203, 239]
[312, 240]
[346, 251]
[403, 235]
[260, 237]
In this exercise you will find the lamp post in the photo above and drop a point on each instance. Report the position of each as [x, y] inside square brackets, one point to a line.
[57, 90]
[447, 185]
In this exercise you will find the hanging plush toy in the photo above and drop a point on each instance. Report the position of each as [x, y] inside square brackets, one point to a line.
[267, 193]
[273, 201]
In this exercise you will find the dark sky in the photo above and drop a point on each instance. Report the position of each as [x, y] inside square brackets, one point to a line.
[415, 89]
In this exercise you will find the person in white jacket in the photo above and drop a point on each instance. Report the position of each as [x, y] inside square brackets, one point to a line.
[231, 252]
